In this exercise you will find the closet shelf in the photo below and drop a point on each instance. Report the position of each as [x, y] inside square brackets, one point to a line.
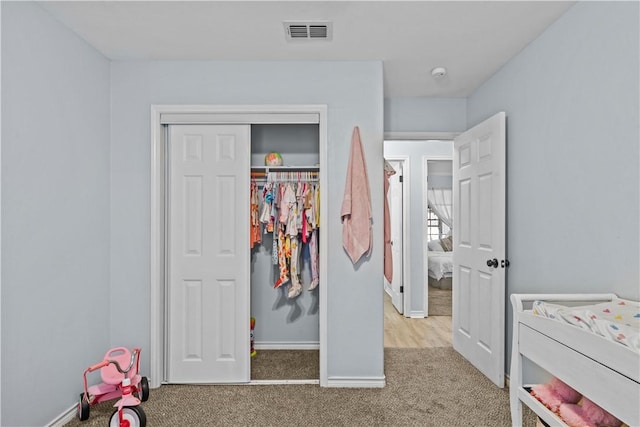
[284, 168]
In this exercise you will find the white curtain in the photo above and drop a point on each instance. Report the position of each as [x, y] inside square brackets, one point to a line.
[441, 203]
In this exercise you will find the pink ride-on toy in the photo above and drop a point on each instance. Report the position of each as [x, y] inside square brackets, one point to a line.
[119, 371]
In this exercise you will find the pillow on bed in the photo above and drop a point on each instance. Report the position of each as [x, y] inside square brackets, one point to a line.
[447, 244]
[434, 245]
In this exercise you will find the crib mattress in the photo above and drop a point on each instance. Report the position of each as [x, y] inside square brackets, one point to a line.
[617, 320]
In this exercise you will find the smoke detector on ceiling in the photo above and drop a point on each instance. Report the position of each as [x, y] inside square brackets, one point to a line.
[308, 30]
[439, 72]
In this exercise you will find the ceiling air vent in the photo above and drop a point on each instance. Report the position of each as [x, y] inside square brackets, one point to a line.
[309, 30]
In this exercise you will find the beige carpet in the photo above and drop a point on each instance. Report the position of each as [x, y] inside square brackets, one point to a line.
[425, 387]
[439, 302]
[285, 365]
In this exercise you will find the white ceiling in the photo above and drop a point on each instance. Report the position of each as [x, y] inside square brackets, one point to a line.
[472, 39]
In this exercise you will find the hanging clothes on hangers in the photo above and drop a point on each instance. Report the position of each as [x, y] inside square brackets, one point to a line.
[254, 215]
[290, 211]
[266, 217]
[314, 257]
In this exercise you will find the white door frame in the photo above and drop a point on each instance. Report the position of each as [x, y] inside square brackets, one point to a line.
[425, 229]
[419, 136]
[219, 114]
[406, 237]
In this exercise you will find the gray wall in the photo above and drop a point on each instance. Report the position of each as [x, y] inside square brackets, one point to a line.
[440, 174]
[279, 319]
[571, 99]
[353, 93]
[417, 150]
[418, 114]
[440, 181]
[55, 214]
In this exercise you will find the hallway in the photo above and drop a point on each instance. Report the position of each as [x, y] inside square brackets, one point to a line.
[403, 332]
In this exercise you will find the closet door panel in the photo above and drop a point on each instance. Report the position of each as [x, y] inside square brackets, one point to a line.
[208, 249]
[226, 227]
[192, 201]
[192, 333]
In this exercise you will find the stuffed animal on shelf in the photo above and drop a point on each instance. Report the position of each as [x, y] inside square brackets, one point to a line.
[554, 393]
[273, 159]
[587, 414]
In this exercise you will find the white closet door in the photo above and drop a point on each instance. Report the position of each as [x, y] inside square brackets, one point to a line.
[208, 296]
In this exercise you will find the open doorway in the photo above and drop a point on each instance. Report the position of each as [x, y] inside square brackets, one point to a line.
[479, 188]
[438, 215]
[413, 327]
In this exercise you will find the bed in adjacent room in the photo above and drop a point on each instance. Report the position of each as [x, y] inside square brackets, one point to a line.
[440, 263]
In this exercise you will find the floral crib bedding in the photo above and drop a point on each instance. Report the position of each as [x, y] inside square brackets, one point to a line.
[617, 320]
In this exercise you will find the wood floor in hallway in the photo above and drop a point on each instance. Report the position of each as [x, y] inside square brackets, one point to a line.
[403, 332]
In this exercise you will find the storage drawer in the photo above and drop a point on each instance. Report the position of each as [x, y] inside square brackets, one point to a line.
[606, 387]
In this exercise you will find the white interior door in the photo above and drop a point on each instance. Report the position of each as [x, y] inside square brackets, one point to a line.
[208, 287]
[396, 214]
[479, 246]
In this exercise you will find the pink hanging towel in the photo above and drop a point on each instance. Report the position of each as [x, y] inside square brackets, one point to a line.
[356, 203]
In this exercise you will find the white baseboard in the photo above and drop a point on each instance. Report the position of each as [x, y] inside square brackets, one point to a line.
[64, 418]
[417, 314]
[287, 345]
[356, 382]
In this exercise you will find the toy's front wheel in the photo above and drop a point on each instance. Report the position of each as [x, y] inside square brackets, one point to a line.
[82, 411]
[133, 416]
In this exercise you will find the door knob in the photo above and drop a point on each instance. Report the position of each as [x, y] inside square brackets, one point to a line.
[492, 263]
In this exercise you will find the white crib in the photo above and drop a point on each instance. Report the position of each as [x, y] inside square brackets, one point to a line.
[606, 372]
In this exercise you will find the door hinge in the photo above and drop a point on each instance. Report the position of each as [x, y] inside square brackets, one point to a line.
[401, 289]
[400, 178]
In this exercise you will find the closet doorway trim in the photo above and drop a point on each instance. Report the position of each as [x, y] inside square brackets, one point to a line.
[217, 114]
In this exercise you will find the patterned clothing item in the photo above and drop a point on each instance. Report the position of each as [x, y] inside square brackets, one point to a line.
[254, 215]
[290, 210]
